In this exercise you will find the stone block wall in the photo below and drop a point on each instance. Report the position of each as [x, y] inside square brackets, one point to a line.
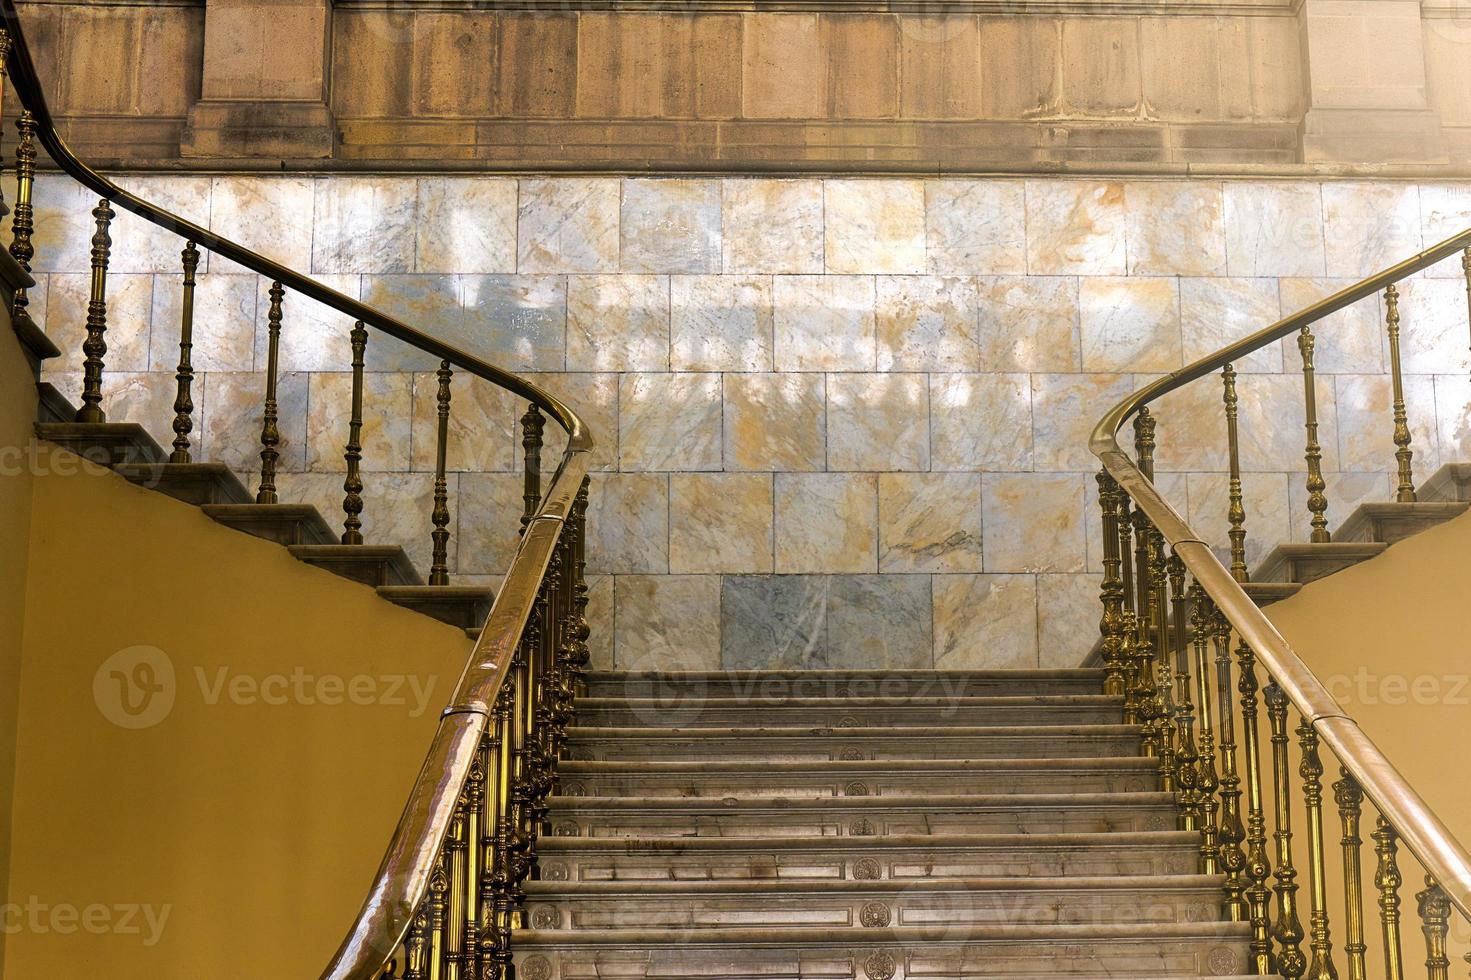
[840, 422]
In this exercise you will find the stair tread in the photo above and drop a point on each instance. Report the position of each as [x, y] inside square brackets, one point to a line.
[196, 483]
[930, 801]
[1104, 883]
[1069, 673]
[588, 766]
[885, 935]
[581, 732]
[93, 439]
[392, 560]
[1136, 838]
[898, 701]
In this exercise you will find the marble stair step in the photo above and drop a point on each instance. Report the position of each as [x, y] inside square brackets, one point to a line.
[762, 779]
[841, 683]
[1452, 482]
[457, 605]
[1392, 522]
[858, 814]
[369, 564]
[1306, 562]
[52, 405]
[193, 483]
[104, 443]
[849, 712]
[285, 524]
[910, 742]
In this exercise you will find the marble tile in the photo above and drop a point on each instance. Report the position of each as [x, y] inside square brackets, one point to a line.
[568, 225]
[1273, 228]
[772, 226]
[129, 321]
[874, 226]
[628, 523]
[1028, 324]
[670, 225]
[1368, 227]
[878, 422]
[1065, 408]
[975, 227]
[482, 424]
[1453, 419]
[594, 397]
[397, 509]
[985, 622]
[669, 422]
[980, 422]
[364, 225]
[600, 619]
[1217, 312]
[1365, 430]
[1264, 497]
[930, 522]
[1067, 618]
[272, 216]
[775, 422]
[145, 398]
[720, 323]
[1033, 522]
[1076, 227]
[314, 337]
[223, 328]
[1130, 324]
[824, 323]
[926, 323]
[487, 521]
[720, 523]
[233, 411]
[1434, 336]
[667, 622]
[466, 225]
[428, 303]
[826, 523]
[618, 323]
[1345, 492]
[142, 246]
[880, 621]
[1350, 341]
[770, 621]
[1445, 211]
[1175, 228]
[387, 414]
[1273, 433]
[64, 224]
[519, 322]
[1191, 423]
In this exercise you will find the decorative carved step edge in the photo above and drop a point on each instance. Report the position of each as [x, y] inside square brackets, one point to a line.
[1452, 482]
[1390, 523]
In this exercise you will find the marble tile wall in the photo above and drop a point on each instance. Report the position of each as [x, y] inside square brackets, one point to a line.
[841, 422]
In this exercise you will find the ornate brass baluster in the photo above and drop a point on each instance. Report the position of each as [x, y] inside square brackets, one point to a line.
[1129, 626]
[23, 224]
[531, 429]
[416, 946]
[1350, 800]
[352, 484]
[439, 568]
[1111, 593]
[1161, 712]
[5, 45]
[1258, 867]
[1405, 491]
[1233, 831]
[270, 435]
[1311, 770]
[456, 860]
[1207, 780]
[1187, 758]
[438, 889]
[1288, 928]
[1435, 921]
[184, 401]
[1148, 655]
[1387, 880]
[496, 948]
[1317, 500]
[1236, 513]
[471, 882]
[580, 597]
[95, 346]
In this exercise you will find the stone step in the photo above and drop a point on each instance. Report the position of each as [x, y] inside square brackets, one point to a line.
[104, 443]
[1266, 593]
[52, 405]
[370, 564]
[859, 814]
[911, 742]
[701, 905]
[1304, 563]
[842, 683]
[457, 605]
[951, 952]
[286, 524]
[193, 483]
[1451, 482]
[912, 858]
[838, 712]
[721, 779]
[1391, 522]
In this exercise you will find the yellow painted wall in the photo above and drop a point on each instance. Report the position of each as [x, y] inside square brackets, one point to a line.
[231, 833]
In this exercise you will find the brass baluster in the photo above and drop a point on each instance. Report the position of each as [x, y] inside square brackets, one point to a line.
[1405, 491]
[1232, 831]
[1258, 866]
[1129, 626]
[1236, 513]
[456, 861]
[531, 429]
[1466, 270]
[1187, 758]
[496, 948]
[439, 569]
[1387, 880]
[416, 946]
[1311, 771]
[473, 880]
[1207, 780]
[1111, 593]
[1146, 690]
[184, 401]
[1317, 500]
[352, 484]
[5, 46]
[95, 346]
[23, 221]
[438, 887]
[1288, 928]
[1159, 718]
[1350, 800]
[270, 435]
[1435, 921]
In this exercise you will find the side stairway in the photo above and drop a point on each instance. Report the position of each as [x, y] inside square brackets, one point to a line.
[870, 826]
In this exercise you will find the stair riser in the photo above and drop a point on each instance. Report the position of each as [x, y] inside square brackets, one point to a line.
[756, 785]
[826, 747]
[840, 686]
[712, 714]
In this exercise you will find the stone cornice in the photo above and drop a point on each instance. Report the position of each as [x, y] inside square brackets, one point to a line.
[928, 8]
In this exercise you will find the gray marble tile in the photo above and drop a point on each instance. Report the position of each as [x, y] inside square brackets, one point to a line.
[618, 323]
[826, 523]
[628, 523]
[720, 523]
[1028, 323]
[874, 226]
[272, 216]
[223, 330]
[880, 621]
[487, 521]
[930, 522]
[720, 323]
[980, 422]
[594, 397]
[315, 337]
[466, 225]
[670, 225]
[1445, 211]
[1273, 433]
[878, 422]
[824, 323]
[387, 417]
[142, 246]
[1076, 228]
[769, 621]
[775, 422]
[481, 429]
[772, 226]
[1365, 430]
[985, 622]
[667, 622]
[568, 225]
[427, 303]
[926, 323]
[975, 227]
[520, 322]
[1351, 341]
[129, 321]
[1264, 497]
[1453, 418]
[1175, 228]
[364, 225]
[1434, 336]
[1067, 618]
[63, 224]
[1273, 228]
[669, 422]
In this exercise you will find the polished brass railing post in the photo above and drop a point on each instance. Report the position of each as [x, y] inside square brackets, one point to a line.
[456, 862]
[1350, 800]
[1317, 500]
[270, 435]
[1387, 880]
[1403, 454]
[580, 596]
[438, 890]
[23, 220]
[1207, 779]
[439, 568]
[1111, 593]
[184, 401]
[416, 946]
[1258, 866]
[352, 484]
[1288, 928]
[531, 429]
[1232, 830]
[1149, 610]
[1177, 681]
[496, 960]
[95, 346]
[1311, 771]
[1160, 715]
[1435, 921]
[1236, 513]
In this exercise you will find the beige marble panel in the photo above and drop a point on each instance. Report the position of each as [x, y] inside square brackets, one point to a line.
[1351, 341]
[313, 337]
[874, 226]
[926, 323]
[1453, 418]
[775, 422]
[594, 397]
[667, 622]
[568, 224]
[600, 619]
[720, 522]
[1076, 227]
[269, 215]
[720, 323]
[670, 225]
[1130, 324]
[1265, 497]
[364, 225]
[1028, 323]
[145, 398]
[930, 522]
[63, 224]
[466, 225]
[980, 422]
[1365, 430]
[129, 321]
[1067, 618]
[628, 523]
[518, 322]
[1175, 228]
[878, 422]
[1434, 336]
[772, 226]
[1065, 407]
[1273, 433]
[481, 430]
[618, 323]
[397, 509]
[233, 411]
[1033, 522]
[387, 414]
[975, 227]
[985, 621]
[1216, 312]
[431, 304]
[1445, 211]
[826, 523]
[1368, 227]
[669, 422]
[142, 246]
[1191, 422]
[1274, 228]
[223, 331]
[1345, 492]
[824, 323]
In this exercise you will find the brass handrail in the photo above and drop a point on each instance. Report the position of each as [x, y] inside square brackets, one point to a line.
[401, 881]
[1422, 831]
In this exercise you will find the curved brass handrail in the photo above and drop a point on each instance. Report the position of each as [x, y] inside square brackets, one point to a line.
[1423, 832]
[401, 880]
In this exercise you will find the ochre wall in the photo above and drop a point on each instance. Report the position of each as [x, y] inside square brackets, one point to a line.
[253, 827]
